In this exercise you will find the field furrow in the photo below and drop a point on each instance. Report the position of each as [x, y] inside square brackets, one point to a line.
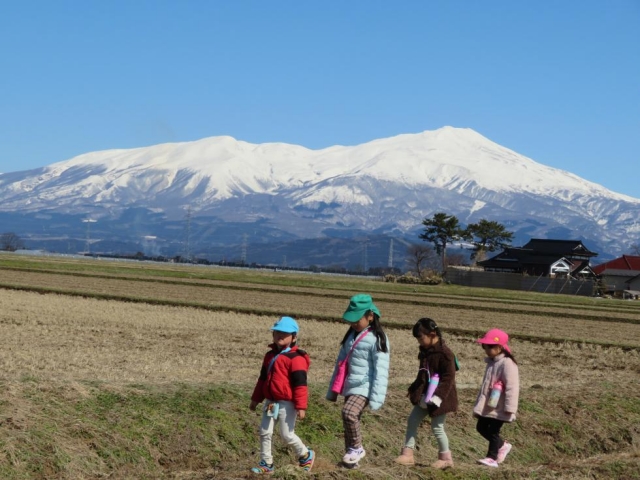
[463, 316]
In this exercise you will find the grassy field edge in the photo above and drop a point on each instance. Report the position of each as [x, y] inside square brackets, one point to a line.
[263, 311]
[92, 430]
[165, 272]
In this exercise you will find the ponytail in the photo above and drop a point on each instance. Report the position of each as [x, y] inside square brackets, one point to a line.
[426, 326]
[379, 332]
[509, 355]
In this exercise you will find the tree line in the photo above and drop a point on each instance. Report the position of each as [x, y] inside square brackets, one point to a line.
[443, 229]
[485, 236]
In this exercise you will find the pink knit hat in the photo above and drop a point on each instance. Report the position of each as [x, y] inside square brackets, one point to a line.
[495, 337]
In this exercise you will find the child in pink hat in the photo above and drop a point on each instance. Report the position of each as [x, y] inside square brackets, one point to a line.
[501, 375]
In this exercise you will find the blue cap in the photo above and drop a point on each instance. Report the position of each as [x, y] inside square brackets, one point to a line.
[286, 325]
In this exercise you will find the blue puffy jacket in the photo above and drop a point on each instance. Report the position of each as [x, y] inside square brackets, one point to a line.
[368, 372]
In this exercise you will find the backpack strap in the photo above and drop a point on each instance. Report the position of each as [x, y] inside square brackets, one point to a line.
[358, 338]
[273, 360]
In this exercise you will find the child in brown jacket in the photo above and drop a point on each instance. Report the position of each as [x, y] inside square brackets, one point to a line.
[436, 361]
[502, 376]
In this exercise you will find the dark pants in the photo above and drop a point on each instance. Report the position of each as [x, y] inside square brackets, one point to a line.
[489, 428]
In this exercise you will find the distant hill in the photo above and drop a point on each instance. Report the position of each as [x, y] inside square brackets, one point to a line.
[224, 196]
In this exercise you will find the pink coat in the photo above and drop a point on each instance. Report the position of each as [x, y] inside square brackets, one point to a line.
[504, 369]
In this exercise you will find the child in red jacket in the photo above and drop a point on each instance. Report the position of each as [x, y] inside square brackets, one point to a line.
[283, 386]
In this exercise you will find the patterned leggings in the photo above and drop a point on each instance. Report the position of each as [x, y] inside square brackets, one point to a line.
[351, 413]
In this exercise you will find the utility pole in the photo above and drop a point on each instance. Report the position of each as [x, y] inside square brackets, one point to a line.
[390, 261]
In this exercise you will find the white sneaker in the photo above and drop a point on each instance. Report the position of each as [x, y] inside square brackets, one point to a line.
[489, 462]
[354, 455]
[503, 452]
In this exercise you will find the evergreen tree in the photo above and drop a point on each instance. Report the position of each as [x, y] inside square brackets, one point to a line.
[487, 236]
[441, 230]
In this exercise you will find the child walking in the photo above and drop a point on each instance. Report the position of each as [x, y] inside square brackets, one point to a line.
[365, 352]
[437, 364]
[283, 386]
[497, 400]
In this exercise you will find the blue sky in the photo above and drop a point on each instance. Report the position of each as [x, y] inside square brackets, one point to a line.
[557, 81]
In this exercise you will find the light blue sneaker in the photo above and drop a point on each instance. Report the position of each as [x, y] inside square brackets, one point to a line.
[263, 468]
[306, 462]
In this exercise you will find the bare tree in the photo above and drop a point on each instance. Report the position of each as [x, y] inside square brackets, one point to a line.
[420, 257]
[634, 249]
[456, 259]
[10, 242]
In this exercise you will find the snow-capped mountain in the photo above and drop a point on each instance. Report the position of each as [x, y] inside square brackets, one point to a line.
[384, 186]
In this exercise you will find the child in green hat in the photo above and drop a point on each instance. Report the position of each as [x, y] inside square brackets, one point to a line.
[364, 361]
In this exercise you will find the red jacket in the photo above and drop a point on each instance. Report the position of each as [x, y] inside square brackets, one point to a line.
[287, 378]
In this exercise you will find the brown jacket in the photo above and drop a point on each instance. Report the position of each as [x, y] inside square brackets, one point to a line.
[436, 359]
[504, 369]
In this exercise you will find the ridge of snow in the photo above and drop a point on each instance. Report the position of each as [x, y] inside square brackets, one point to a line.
[449, 157]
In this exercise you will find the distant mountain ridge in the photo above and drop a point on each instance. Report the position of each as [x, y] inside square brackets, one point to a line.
[383, 187]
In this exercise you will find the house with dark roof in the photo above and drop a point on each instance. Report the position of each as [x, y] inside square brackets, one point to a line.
[620, 276]
[546, 258]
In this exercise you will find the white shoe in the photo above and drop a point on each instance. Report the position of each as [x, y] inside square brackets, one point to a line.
[489, 462]
[503, 452]
[354, 455]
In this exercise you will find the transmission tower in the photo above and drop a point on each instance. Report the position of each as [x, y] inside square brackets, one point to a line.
[366, 259]
[243, 256]
[390, 261]
[87, 247]
[187, 236]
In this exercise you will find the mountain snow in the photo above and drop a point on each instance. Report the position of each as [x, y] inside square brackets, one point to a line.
[448, 158]
[390, 183]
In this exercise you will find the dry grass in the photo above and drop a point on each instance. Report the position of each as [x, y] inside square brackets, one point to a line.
[71, 339]
[547, 325]
[551, 304]
[62, 352]
[106, 283]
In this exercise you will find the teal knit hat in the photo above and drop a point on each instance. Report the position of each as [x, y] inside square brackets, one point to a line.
[358, 306]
